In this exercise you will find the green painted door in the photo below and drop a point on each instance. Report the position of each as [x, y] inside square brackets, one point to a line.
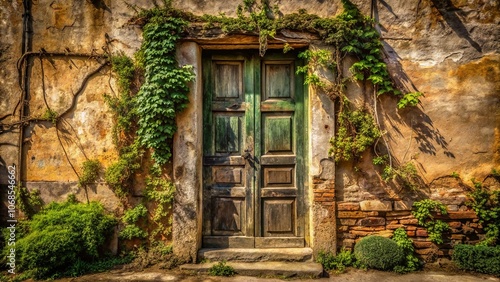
[253, 165]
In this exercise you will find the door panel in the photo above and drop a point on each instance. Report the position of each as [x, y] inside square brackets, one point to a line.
[252, 152]
[278, 193]
[225, 199]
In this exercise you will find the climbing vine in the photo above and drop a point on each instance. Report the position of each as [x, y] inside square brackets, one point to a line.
[122, 104]
[164, 92]
[424, 211]
[357, 131]
[486, 204]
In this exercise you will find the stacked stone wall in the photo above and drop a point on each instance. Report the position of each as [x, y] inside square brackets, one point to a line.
[359, 219]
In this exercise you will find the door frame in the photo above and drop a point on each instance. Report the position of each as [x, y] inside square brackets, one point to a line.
[320, 215]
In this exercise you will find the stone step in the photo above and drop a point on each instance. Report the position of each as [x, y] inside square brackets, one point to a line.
[265, 269]
[257, 255]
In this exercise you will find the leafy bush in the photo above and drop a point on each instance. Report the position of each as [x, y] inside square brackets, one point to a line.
[29, 202]
[90, 172]
[424, 213]
[130, 219]
[338, 263]
[221, 269]
[378, 252]
[483, 259]
[61, 234]
[410, 262]
[486, 204]
[118, 174]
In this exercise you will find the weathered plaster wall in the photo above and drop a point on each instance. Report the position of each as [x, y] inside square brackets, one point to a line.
[446, 49]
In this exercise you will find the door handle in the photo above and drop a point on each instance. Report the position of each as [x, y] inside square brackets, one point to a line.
[247, 155]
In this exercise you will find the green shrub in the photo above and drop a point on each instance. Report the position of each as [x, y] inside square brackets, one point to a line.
[483, 259]
[424, 211]
[378, 252]
[61, 234]
[221, 269]
[130, 218]
[486, 204]
[410, 261]
[338, 263]
[90, 172]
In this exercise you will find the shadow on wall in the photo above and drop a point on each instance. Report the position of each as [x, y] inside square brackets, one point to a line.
[426, 134]
[451, 15]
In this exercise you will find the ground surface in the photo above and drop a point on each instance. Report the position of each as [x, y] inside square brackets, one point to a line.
[438, 273]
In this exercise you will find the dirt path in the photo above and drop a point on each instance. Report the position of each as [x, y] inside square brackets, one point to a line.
[351, 275]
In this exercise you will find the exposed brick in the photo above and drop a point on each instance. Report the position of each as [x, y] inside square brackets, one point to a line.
[445, 252]
[452, 207]
[409, 221]
[411, 227]
[348, 243]
[372, 213]
[375, 205]
[368, 228]
[422, 233]
[457, 237]
[355, 214]
[351, 214]
[328, 194]
[394, 226]
[348, 236]
[392, 222]
[372, 221]
[455, 224]
[348, 206]
[410, 233]
[458, 215]
[422, 244]
[343, 228]
[403, 205]
[398, 213]
[385, 233]
[468, 230]
[360, 233]
[425, 251]
[317, 180]
[348, 221]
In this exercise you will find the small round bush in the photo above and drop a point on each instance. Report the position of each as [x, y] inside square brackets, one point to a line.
[378, 252]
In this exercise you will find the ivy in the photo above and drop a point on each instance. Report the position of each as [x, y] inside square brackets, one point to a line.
[423, 212]
[50, 115]
[357, 132]
[406, 174]
[29, 202]
[161, 191]
[411, 262]
[90, 172]
[486, 204]
[130, 219]
[165, 90]
[123, 105]
[118, 175]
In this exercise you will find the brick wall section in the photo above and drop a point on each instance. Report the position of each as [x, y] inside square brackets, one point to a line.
[324, 191]
[359, 219]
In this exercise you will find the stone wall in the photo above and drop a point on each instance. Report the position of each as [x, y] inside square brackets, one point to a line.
[449, 50]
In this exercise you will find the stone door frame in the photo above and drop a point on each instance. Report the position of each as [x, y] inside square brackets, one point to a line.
[319, 200]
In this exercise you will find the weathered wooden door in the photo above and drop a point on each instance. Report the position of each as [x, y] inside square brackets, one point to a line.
[254, 134]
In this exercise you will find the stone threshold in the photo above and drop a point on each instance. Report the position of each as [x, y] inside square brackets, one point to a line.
[265, 269]
[257, 255]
